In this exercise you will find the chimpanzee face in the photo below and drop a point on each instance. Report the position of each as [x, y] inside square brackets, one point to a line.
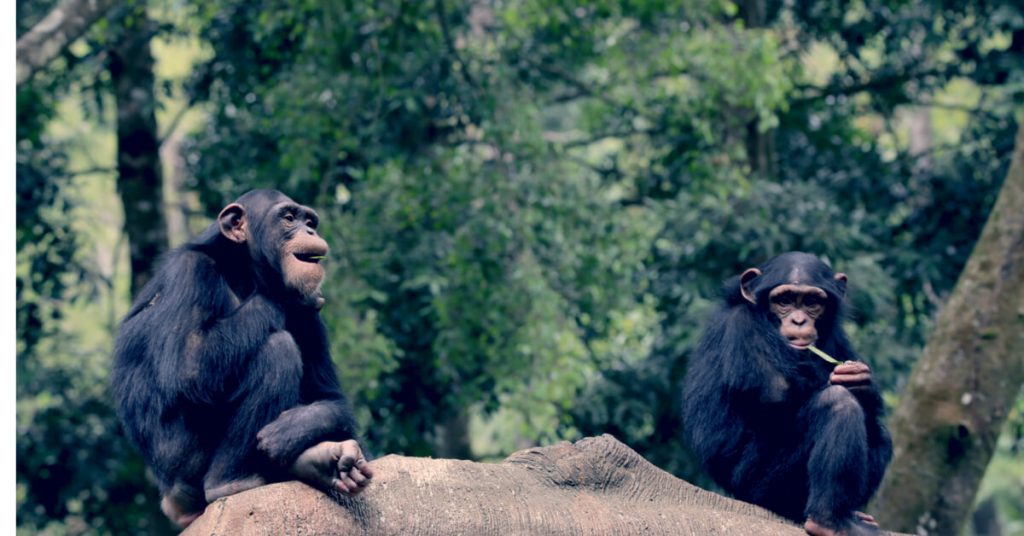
[798, 307]
[301, 252]
[798, 289]
[282, 240]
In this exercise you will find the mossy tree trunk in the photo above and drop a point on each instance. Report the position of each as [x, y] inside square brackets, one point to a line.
[953, 409]
[139, 172]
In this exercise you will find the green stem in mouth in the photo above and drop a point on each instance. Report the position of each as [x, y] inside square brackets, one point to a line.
[823, 355]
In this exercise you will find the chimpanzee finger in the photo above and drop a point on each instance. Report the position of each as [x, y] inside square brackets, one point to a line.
[346, 463]
[850, 379]
[350, 484]
[350, 447]
[866, 518]
[364, 467]
[848, 376]
[851, 367]
[357, 476]
[340, 486]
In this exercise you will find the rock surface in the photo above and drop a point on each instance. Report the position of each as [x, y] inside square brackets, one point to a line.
[596, 486]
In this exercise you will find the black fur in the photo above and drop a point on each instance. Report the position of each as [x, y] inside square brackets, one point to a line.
[211, 354]
[762, 416]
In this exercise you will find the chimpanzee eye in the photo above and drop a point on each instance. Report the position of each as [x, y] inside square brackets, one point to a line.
[289, 217]
[784, 300]
[813, 301]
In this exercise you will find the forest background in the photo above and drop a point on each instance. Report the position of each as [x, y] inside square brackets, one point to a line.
[531, 205]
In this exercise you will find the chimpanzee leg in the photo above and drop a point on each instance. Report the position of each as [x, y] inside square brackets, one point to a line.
[838, 463]
[269, 385]
[182, 461]
[878, 460]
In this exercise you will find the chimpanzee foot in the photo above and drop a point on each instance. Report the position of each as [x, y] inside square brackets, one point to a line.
[866, 518]
[334, 466]
[182, 504]
[856, 525]
[177, 514]
[218, 490]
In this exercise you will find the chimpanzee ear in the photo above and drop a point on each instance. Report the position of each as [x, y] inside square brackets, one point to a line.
[745, 279]
[841, 282]
[232, 223]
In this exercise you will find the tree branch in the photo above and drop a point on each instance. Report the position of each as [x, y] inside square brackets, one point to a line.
[622, 133]
[92, 171]
[173, 126]
[884, 80]
[47, 39]
[450, 43]
[583, 89]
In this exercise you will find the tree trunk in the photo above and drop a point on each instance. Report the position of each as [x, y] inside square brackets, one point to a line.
[55, 32]
[920, 143]
[760, 145]
[176, 198]
[453, 437]
[596, 486]
[139, 178]
[961, 389]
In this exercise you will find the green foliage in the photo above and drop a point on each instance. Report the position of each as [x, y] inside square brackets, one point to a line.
[76, 472]
[1003, 485]
[532, 204]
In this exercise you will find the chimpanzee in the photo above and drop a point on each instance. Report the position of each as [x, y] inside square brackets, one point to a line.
[774, 424]
[222, 376]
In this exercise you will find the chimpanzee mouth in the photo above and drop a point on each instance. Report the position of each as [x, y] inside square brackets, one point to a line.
[314, 258]
[800, 344]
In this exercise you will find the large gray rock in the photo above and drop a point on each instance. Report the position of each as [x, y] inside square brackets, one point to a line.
[596, 486]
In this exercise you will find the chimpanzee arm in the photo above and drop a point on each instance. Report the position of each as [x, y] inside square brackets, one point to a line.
[726, 384]
[878, 439]
[301, 427]
[870, 399]
[220, 345]
[199, 327]
[879, 443]
[325, 415]
[879, 450]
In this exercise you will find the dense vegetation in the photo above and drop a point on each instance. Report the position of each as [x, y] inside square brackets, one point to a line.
[531, 203]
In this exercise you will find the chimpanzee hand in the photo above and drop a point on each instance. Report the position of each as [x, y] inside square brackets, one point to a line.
[298, 428]
[338, 466]
[851, 374]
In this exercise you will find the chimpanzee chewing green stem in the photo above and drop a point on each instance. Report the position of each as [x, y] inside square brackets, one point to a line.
[823, 355]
